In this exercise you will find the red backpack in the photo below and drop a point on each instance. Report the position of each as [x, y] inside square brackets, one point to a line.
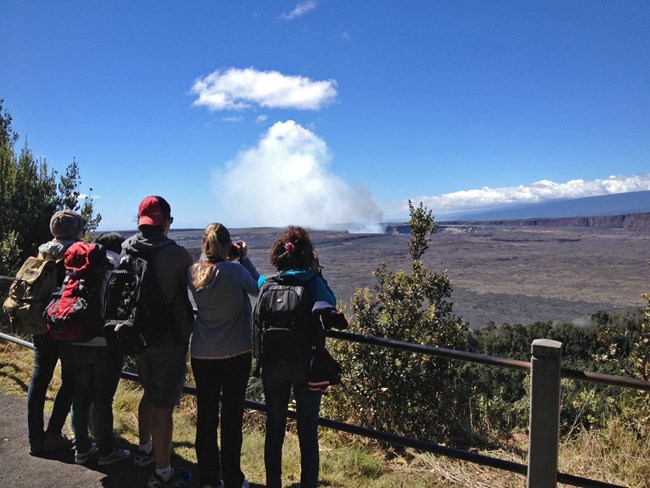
[75, 310]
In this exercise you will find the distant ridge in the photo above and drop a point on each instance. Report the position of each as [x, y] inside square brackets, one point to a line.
[605, 205]
[633, 221]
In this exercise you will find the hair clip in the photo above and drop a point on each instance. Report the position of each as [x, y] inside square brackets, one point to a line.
[289, 247]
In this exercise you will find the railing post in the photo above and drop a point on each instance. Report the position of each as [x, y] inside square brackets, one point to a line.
[544, 413]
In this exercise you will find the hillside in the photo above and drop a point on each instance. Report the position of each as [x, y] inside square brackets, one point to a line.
[631, 221]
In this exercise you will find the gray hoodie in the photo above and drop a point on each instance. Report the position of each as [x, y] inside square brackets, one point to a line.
[56, 250]
[223, 321]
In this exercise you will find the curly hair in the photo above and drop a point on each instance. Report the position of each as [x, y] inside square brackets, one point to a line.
[215, 245]
[293, 250]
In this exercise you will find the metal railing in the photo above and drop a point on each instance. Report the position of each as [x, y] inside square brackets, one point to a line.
[428, 446]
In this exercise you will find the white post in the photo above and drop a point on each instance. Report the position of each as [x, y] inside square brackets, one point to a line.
[544, 413]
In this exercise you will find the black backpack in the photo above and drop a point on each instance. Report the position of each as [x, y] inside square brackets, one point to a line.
[135, 314]
[75, 309]
[285, 331]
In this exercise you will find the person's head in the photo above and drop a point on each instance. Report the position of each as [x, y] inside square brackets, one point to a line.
[154, 214]
[215, 246]
[111, 241]
[67, 225]
[216, 242]
[293, 250]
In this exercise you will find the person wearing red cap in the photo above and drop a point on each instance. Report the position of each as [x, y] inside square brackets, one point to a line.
[162, 366]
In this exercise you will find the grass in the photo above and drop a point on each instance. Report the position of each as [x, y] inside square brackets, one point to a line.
[616, 454]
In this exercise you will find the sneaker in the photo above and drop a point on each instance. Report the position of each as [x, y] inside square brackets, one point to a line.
[56, 442]
[142, 458]
[114, 457]
[83, 457]
[156, 481]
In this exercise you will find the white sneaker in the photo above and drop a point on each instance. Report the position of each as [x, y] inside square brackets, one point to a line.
[116, 456]
[83, 457]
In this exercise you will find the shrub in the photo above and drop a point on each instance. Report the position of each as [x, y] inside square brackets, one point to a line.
[409, 394]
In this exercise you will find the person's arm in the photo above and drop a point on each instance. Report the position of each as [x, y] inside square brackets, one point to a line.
[321, 290]
[250, 267]
[250, 277]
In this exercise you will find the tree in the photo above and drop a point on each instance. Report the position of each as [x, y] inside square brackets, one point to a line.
[30, 192]
[409, 394]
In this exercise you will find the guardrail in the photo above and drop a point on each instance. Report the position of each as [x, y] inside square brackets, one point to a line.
[546, 372]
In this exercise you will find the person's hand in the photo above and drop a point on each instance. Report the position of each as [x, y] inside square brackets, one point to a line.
[237, 251]
[243, 249]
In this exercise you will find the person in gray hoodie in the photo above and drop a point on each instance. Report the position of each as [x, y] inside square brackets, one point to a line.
[66, 227]
[221, 353]
[162, 366]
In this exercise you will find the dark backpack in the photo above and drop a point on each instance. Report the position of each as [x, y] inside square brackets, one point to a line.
[30, 293]
[135, 315]
[285, 330]
[75, 311]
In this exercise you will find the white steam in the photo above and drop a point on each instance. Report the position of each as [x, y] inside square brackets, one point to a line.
[285, 180]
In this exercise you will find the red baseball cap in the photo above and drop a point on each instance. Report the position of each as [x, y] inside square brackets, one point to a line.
[150, 212]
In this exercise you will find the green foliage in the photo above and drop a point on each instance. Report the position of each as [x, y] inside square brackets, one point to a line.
[30, 193]
[606, 345]
[626, 346]
[405, 393]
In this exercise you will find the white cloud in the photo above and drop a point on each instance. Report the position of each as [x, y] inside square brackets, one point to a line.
[240, 89]
[261, 118]
[300, 9]
[233, 118]
[285, 180]
[534, 192]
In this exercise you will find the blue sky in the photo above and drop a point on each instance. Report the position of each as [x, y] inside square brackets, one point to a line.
[313, 112]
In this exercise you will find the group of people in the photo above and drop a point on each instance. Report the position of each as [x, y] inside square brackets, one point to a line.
[218, 338]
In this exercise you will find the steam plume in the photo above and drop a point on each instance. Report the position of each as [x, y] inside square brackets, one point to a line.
[285, 180]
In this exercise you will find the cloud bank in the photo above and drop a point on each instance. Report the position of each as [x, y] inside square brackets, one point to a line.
[241, 89]
[535, 192]
[285, 180]
[301, 9]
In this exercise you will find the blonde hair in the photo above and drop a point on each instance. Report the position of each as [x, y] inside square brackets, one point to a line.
[216, 244]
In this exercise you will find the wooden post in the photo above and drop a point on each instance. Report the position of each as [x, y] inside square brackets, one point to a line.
[544, 413]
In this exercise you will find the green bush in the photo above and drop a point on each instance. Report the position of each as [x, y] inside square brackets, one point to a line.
[409, 394]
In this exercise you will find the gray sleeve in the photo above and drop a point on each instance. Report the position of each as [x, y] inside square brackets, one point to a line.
[250, 276]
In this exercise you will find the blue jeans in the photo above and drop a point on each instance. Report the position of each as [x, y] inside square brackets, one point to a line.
[47, 352]
[215, 377]
[97, 375]
[278, 382]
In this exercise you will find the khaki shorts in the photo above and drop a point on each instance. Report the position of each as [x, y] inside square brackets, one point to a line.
[161, 369]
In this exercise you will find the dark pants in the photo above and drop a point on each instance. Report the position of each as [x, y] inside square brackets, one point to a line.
[96, 378]
[278, 382]
[214, 377]
[47, 351]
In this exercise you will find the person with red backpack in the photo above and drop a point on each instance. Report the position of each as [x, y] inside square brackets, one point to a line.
[97, 367]
[66, 227]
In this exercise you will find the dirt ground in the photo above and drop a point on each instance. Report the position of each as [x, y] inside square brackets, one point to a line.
[500, 274]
